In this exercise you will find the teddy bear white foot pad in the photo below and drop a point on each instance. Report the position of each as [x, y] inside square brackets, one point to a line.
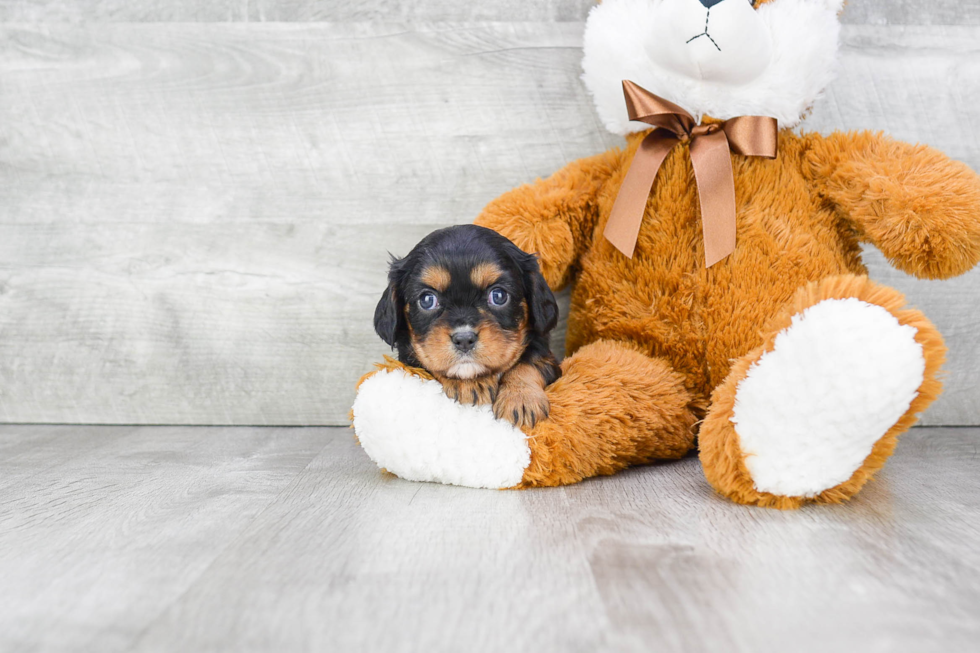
[809, 412]
[408, 426]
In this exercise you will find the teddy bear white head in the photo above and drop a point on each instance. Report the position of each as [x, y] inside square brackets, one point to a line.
[718, 58]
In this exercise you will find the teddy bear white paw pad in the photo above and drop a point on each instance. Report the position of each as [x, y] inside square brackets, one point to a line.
[408, 426]
[809, 412]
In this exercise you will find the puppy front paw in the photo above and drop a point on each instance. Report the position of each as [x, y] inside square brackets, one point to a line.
[476, 392]
[521, 399]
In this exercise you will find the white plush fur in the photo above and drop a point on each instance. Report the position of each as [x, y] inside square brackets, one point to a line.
[645, 41]
[408, 426]
[808, 412]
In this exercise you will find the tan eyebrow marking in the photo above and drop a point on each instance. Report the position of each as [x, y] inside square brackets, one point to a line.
[485, 274]
[436, 277]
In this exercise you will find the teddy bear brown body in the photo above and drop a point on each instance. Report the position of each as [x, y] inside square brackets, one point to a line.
[796, 224]
[800, 222]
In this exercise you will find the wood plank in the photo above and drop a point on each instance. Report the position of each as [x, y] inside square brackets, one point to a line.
[284, 123]
[896, 80]
[107, 526]
[194, 219]
[292, 540]
[870, 12]
[912, 12]
[183, 323]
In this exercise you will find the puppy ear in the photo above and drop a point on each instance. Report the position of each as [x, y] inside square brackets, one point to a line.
[389, 316]
[540, 300]
[386, 316]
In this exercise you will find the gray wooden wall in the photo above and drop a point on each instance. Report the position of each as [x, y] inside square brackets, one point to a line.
[196, 199]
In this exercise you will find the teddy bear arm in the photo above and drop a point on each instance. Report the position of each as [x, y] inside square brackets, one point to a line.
[920, 208]
[554, 217]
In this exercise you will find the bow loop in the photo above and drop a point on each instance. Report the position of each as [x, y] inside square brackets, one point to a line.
[711, 147]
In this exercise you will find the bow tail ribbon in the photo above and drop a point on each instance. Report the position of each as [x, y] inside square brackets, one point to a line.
[621, 230]
[712, 161]
[711, 148]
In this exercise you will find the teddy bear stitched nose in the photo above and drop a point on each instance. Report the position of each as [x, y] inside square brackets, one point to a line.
[708, 4]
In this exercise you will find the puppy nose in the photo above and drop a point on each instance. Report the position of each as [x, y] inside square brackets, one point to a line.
[464, 340]
[708, 4]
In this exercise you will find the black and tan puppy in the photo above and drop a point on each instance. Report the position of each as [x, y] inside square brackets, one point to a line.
[473, 310]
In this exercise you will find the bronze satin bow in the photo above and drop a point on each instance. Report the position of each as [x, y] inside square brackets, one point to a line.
[711, 147]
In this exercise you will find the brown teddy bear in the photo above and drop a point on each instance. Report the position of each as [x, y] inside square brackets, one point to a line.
[719, 298]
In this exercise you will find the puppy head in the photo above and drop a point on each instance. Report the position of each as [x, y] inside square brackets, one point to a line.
[463, 303]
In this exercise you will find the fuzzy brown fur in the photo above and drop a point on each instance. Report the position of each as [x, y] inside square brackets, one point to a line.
[801, 219]
[612, 407]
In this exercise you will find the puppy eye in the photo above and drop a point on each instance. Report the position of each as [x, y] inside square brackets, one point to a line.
[428, 301]
[498, 297]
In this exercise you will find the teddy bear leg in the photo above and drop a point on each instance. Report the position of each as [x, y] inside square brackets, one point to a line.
[407, 425]
[815, 411]
[612, 407]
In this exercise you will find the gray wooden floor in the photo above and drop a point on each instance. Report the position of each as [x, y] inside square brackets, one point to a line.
[263, 539]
